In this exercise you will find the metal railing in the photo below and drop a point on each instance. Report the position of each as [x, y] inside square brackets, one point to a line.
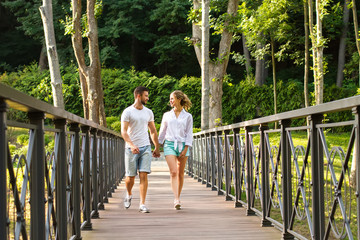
[54, 194]
[294, 178]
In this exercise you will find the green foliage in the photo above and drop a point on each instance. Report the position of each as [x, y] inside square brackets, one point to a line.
[241, 101]
[23, 139]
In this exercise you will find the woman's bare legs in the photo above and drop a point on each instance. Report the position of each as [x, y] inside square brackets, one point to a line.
[172, 163]
[180, 170]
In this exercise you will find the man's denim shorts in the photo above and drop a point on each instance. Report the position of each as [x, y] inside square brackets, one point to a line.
[169, 149]
[140, 161]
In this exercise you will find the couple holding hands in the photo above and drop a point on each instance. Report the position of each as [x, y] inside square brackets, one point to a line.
[175, 135]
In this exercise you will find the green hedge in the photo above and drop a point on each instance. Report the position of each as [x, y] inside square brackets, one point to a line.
[243, 101]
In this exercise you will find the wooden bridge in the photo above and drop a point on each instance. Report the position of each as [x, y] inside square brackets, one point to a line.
[204, 215]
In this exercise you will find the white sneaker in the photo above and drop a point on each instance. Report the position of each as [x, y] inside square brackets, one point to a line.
[177, 204]
[143, 209]
[127, 201]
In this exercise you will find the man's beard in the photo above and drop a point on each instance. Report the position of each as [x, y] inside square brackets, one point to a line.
[143, 102]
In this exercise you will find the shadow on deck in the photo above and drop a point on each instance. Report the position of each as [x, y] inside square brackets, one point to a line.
[204, 215]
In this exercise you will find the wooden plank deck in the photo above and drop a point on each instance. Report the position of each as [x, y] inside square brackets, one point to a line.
[205, 215]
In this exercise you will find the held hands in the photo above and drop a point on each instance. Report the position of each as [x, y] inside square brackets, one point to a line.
[156, 152]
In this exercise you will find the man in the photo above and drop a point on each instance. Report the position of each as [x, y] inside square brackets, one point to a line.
[135, 122]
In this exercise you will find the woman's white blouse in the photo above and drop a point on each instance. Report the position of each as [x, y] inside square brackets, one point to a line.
[177, 129]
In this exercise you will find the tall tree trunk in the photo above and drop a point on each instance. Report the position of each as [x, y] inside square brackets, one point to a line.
[356, 28]
[319, 54]
[134, 59]
[53, 60]
[93, 96]
[313, 43]
[357, 41]
[274, 74]
[43, 64]
[274, 77]
[307, 56]
[217, 70]
[247, 55]
[205, 61]
[342, 46]
[260, 69]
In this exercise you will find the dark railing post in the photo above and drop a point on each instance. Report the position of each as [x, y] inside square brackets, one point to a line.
[101, 172]
[61, 168]
[219, 167]
[286, 177]
[208, 159]
[356, 111]
[109, 166]
[227, 166]
[122, 174]
[213, 165]
[113, 165]
[264, 175]
[203, 160]
[75, 180]
[237, 166]
[87, 225]
[94, 169]
[249, 172]
[317, 174]
[37, 180]
[3, 170]
[106, 167]
[117, 158]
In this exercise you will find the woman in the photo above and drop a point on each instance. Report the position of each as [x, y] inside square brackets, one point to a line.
[177, 136]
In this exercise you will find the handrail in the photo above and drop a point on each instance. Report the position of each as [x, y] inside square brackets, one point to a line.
[329, 107]
[305, 188]
[76, 177]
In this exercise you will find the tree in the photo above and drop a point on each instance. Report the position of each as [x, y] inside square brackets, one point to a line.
[356, 29]
[56, 81]
[223, 26]
[266, 27]
[342, 45]
[307, 55]
[90, 75]
[205, 65]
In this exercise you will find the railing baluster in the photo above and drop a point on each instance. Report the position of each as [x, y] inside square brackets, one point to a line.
[76, 187]
[356, 111]
[3, 169]
[317, 174]
[219, 166]
[286, 178]
[249, 172]
[106, 167]
[236, 156]
[208, 158]
[61, 168]
[264, 175]
[213, 168]
[227, 166]
[37, 179]
[95, 212]
[101, 172]
[86, 225]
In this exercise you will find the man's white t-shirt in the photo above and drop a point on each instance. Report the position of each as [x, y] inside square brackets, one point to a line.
[138, 124]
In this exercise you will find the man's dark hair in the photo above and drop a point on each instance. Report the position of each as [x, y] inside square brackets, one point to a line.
[140, 90]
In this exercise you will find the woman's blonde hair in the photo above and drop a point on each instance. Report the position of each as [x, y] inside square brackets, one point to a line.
[184, 100]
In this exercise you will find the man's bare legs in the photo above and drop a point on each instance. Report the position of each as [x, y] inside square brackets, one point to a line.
[143, 186]
[129, 183]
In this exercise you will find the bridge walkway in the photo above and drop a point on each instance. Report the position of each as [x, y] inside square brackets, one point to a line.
[204, 215]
